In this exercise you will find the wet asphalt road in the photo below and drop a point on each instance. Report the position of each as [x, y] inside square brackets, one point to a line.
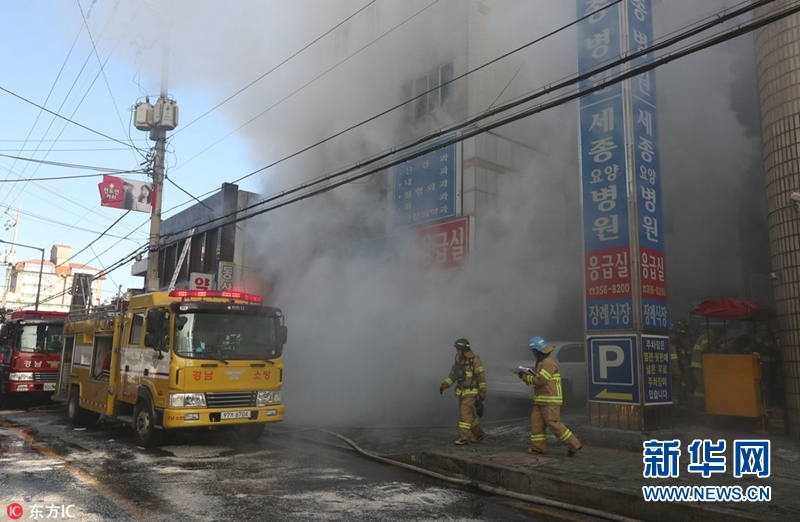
[102, 475]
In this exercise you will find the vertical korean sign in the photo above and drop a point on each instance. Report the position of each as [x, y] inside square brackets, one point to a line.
[425, 187]
[647, 172]
[619, 159]
[607, 252]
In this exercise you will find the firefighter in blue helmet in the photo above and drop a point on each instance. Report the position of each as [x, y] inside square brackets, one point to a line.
[546, 382]
[468, 375]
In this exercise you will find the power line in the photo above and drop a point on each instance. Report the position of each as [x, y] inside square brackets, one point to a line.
[635, 71]
[251, 120]
[65, 165]
[94, 240]
[400, 105]
[50, 92]
[68, 120]
[229, 98]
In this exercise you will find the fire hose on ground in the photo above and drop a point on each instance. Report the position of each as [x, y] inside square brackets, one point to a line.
[483, 487]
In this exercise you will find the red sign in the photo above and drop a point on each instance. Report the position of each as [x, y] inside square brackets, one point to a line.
[654, 279]
[608, 273]
[445, 245]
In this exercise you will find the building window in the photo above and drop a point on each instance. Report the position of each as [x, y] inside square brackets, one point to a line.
[439, 92]
[136, 329]
[167, 262]
[196, 256]
[211, 257]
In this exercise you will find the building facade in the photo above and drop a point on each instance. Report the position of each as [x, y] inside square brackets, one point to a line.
[778, 55]
[23, 281]
[426, 67]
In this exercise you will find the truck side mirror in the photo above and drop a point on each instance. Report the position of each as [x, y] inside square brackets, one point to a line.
[152, 320]
[150, 340]
[283, 334]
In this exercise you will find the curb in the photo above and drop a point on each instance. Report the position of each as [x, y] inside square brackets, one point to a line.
[527, 482]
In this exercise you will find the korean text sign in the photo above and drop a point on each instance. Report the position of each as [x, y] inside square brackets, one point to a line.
[609, 302]
[425, 188]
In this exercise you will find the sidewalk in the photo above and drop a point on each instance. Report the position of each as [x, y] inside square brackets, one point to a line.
[599, 477]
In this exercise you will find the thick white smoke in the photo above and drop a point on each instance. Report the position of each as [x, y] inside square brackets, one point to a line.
[370, 335]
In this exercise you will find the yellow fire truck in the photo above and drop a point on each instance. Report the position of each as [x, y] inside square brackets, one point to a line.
[171, 360]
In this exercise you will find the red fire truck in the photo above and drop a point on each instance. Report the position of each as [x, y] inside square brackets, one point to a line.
[30, 354]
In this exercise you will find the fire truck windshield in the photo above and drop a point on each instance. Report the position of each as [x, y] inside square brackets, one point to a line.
[40, 337]
[226, 336]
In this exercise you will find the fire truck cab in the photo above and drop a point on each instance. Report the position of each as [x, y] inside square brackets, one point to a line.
[30, 354]
[175, 360]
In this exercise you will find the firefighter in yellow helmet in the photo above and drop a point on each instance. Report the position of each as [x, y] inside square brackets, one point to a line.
[546, 382]
[468, 375]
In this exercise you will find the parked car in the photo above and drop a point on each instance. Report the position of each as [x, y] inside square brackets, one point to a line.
[571, 359]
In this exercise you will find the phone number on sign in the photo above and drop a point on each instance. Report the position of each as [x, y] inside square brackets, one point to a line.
[619, 289]
[659, 291]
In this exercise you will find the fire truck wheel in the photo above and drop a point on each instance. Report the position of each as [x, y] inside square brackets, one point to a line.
[250, 432]
[144, 433]
[77, 416]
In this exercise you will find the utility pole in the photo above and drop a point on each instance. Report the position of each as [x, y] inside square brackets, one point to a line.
[10, 257]
[159, 135]
[157, 119]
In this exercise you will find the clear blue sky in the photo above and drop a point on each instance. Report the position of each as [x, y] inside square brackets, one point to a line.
[48, 60]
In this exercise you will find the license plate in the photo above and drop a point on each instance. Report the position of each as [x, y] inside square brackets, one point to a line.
[49, 386]
[234, 415]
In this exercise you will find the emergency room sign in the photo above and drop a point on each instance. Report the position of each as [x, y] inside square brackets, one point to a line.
[445, 245]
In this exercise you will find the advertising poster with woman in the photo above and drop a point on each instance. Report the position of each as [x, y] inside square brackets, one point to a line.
[127, 194]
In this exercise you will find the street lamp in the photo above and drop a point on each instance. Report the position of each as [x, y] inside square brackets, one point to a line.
[41, 268]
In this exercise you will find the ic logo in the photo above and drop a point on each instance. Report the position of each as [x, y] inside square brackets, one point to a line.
[14, 511]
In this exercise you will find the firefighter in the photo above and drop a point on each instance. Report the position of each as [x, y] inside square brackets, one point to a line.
[468, 375]
[707, 343]
[546, 382]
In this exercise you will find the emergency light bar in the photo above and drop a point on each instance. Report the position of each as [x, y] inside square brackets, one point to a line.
[225, 294]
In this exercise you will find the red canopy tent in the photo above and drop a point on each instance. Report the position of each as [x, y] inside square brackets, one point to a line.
[730, 309]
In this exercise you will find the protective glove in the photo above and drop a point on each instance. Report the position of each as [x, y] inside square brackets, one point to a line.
[482, 395]
[442, 388]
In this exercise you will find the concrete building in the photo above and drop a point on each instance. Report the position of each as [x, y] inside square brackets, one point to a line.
[519, 183]
[201, 252]
[22, 281]
[778, 55]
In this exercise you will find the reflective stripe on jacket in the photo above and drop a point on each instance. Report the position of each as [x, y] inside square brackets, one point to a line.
[474, 376]
[546, 383]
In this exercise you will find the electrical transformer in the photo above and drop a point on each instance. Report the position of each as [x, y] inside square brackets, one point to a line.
[165, 116]
[143, 116]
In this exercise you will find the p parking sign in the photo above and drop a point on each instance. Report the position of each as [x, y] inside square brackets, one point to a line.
[613, 369]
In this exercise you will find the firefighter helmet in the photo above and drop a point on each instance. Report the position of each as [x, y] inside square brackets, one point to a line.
[536, 343]
[462, 344]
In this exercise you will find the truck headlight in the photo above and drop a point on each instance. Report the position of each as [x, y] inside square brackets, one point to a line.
[265, 397]
[179, 400]
[20, 376]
